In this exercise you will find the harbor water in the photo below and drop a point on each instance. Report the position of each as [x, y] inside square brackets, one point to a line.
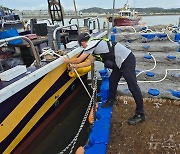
[146, 20]
[60, 132]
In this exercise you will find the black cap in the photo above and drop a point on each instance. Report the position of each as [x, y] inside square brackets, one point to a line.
[83, 37]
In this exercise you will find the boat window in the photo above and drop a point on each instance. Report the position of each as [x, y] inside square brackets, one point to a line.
[125, 14]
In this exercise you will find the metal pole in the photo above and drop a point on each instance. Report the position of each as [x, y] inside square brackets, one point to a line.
[134, 9]
[92, 75]
[76, 14]
[61, 13]
[113, 13]
[55, 35]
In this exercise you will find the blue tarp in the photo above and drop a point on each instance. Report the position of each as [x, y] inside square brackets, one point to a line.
[10, 33]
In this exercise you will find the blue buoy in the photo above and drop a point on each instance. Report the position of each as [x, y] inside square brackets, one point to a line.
[171, 57]
[146, 46]
[153, 92]
[147, 56]
[114, 30]
[174, 93]
[150, 74]
[113, 37]
[177, 37]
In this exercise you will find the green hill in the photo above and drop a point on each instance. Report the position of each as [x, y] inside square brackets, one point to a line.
[141, 10]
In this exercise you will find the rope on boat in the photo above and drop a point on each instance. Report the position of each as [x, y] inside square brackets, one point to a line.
[1, 45]
[82, 82]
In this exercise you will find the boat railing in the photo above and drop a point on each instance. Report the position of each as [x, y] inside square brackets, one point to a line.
[44, 19]
[83, 18]
[35, 53]
[58, 29]
[94, 20]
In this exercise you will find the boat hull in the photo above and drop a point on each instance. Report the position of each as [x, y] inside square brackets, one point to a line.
[24, 112]
[18, 25]
[121, 21]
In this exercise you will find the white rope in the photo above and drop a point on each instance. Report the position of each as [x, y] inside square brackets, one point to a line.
[169, 37]
[151, 81]
[1, 45]
[160, 79]
[155, 63]
[51, 52]
[82, 82]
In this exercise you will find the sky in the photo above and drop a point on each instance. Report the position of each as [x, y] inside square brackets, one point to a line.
[82, 4]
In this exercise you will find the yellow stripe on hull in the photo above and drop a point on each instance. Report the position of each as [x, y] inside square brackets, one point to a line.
[13, 119]
[37, 116]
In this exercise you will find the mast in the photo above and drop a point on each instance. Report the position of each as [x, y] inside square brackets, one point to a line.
[113, 13]
[134, 9]
[76, 15]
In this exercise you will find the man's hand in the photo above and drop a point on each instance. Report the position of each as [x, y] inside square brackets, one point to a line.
[74, 65]
[66, 60]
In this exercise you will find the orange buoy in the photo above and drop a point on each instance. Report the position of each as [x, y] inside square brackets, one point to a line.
[80, 150]
[91, 115]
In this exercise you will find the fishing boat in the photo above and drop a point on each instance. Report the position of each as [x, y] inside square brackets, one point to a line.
[126, 17]
[30, 97]
[9, 20]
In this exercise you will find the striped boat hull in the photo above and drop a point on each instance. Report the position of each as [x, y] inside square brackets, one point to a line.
[24, 112]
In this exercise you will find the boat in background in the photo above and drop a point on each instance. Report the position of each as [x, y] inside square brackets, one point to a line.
[9, 20]
[126, 17]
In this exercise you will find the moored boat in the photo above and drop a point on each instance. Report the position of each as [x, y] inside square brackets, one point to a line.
[126, 17]
[30, 96]
[9, 20]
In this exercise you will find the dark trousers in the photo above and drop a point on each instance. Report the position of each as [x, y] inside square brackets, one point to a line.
[127, 70]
